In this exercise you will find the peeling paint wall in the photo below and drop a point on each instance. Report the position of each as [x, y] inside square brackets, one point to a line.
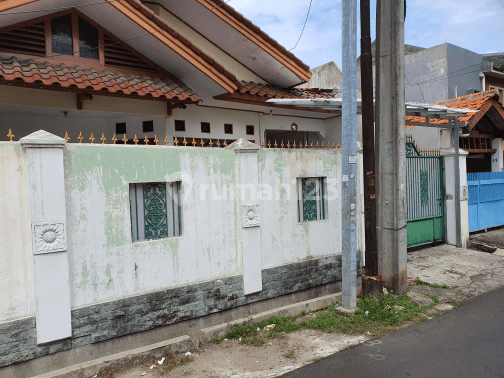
[104, 263]
[283, 238]
[16, 267]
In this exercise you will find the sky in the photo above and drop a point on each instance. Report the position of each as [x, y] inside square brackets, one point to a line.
[475, 25]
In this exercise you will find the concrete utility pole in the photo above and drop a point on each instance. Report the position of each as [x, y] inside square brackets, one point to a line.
[349, 154]
[391, 145]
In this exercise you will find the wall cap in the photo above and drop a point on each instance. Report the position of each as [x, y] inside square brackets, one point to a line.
[243, 144]
[451, 152]
[42, 138]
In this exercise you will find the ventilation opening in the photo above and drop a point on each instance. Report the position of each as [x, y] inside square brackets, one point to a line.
[27, 40]
[117, 55]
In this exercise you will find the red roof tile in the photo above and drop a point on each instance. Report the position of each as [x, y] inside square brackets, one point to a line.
[46, 74]
[270, 91]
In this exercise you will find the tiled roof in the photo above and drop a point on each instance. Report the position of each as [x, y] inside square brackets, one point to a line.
[240, 18]
[473, 101]
[164, 25]
[46, 74]
[269, 91]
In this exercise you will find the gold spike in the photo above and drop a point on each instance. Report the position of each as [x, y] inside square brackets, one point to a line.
[156, 140]
[269, 144]
[262, 144]
[311, 145]
[306, 144]
[322, 144]
[103, 139]
[210, 143]
[175, 142]
[67, 138]
[80, 137]
[300, 144]
[166, 140]
[135, 140]
[294, 144]
[146, 140]
[225, 143]
[10, 135]
[124, 139]
[276, 145]
[218, 143]
[92, 138]
[202, 143]
[194, 142]
[288, 144]
[184, 142]
[114, 139]
[282, 145]
[317, 145]
[338, 146]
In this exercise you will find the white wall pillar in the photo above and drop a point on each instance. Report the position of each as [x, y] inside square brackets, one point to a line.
[497, 158]
[251, 235]
[48, 219]
[449, 182]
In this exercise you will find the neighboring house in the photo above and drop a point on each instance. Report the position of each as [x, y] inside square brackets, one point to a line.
[327, 75]
[110, 242]
[492, 72]
[483, 130]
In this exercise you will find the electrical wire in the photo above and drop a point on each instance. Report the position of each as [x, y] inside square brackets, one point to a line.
[114, 43]
[58, 9]
[303, 26]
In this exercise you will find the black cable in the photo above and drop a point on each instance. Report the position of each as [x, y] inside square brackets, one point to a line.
[303, 26]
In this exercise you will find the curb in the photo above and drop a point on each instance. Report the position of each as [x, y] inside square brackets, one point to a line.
[123, 360]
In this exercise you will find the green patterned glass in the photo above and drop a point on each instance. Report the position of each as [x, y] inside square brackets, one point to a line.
[424, 187]
[309, 189]
[155, 211]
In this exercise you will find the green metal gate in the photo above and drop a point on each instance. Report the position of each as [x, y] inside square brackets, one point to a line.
[425, 195]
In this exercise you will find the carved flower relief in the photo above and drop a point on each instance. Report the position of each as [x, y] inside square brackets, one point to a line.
[49, 237]
[251, 216]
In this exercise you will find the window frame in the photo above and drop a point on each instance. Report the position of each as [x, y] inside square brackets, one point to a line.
[246, 130]
[209, 128]
[229, 126]
[181, 122]
[320, 198]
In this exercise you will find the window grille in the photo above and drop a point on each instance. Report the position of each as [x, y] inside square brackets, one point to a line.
[250, 129]
[228, 128]
[148, 126]
[25, 40]
[179, 125]
[205, 127]
[121, 128]
[155, 210]
[311, 203]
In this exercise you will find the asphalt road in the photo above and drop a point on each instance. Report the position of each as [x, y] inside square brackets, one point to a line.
[467, 341]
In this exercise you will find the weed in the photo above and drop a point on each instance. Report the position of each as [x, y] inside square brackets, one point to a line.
[302, 313]
[454, 303]
[217, 340]
[418, 281]
[257, 341]
[290, 354]
[316, 359]
[434, 298]
[470, 295]
[173, 361]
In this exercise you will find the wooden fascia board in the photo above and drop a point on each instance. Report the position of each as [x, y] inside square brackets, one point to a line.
[176, 45]
[484, 109]
[243, 98]
[10, 4]
[304, 75]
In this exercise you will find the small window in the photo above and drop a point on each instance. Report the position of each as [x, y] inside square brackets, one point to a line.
[311, 194]
[88, 40]
[228, 128]
[155, 210]
[121, 128]
[179, 125]
[250, 129]
[148, 126]
[205, 127]
[61, 30]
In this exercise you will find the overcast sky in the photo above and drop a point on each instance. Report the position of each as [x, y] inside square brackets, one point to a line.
[476, 25]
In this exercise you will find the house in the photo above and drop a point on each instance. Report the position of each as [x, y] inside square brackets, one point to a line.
[147, 190]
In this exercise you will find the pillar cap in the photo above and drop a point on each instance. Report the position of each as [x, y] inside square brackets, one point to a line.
[42, 138]
[451, 152]
[244, 145]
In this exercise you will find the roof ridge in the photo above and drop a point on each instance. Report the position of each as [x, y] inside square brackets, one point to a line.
[473, 95]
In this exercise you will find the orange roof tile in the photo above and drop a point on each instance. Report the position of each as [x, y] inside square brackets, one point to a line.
[270, 91]
[46, 74]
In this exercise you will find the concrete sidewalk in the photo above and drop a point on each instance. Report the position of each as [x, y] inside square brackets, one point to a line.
[465, 271]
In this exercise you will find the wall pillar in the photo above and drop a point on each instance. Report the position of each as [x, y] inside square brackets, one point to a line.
[246, 152]
[48, 221]
[497, 157]
[449, 182]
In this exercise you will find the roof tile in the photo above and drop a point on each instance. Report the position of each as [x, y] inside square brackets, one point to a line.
[270, 91]
[48, 75]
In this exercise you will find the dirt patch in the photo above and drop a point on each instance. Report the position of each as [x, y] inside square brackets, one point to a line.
[232, 358]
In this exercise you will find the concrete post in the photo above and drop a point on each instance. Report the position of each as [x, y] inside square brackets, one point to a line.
[391, 145]
[251, 235]
[48, 219]
[497, 157]
[349, 154]
[450, 206]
